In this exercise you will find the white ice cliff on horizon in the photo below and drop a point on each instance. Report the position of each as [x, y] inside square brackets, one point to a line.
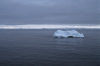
[68, 34]
[50, 26]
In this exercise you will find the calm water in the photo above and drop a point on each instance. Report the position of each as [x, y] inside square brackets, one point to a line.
[39, 48]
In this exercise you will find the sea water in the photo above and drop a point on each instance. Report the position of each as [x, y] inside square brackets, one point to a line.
[40, 48]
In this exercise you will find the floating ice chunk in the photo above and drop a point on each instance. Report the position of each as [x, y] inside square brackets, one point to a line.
[67, 34]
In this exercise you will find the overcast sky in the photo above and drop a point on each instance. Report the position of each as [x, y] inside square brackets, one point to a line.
[49, 12]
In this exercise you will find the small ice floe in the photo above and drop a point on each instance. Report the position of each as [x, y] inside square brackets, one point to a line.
[68, 34]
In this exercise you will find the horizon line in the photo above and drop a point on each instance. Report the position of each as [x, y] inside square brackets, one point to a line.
[51, 26]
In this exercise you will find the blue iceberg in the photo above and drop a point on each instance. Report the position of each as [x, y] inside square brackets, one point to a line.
[68, 34]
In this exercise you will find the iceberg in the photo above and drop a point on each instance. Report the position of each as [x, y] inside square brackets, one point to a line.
[68, 34]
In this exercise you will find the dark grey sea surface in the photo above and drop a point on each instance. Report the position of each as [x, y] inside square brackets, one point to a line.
[40, 48]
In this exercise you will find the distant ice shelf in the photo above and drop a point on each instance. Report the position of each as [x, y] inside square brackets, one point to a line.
[50, 26]
[68, 34]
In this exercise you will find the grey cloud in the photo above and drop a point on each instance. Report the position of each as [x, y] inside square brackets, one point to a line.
[49, 12]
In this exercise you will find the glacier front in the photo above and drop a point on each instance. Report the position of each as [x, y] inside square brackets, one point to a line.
[68, 34]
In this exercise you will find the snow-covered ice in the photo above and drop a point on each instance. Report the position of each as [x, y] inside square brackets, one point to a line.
[68, 34]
